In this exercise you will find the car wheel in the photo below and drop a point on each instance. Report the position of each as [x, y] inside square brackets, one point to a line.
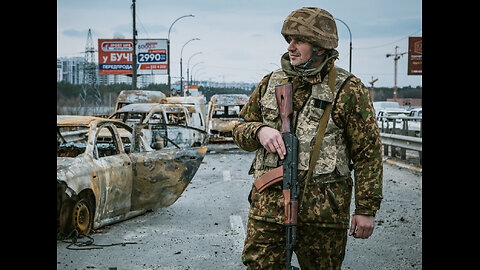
[82, 218]
[65, 220]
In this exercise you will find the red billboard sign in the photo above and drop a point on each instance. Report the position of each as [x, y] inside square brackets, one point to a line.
[115, 56]
[414, 56]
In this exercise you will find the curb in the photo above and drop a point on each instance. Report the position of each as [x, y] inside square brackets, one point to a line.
[403, 165]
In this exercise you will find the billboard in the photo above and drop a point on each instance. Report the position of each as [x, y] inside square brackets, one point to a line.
[152, 56]
[414, 56]
[115, 56]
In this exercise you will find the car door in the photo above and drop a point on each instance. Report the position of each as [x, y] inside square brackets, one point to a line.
[113, 171]
[161, 176]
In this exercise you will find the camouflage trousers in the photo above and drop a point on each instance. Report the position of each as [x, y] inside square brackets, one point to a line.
[315, 247]
[321, 230]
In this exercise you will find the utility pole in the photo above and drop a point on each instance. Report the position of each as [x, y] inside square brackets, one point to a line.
[134, 55]
[372, 82]
[396, 56]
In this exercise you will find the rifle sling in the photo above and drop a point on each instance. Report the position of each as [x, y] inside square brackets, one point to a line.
[322, 126]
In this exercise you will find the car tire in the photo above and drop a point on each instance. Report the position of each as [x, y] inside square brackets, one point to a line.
[82, 217]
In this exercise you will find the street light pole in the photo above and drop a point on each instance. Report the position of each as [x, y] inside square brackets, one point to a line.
[181, 76]
[134, 55]
[168, 48]
[191, 70]
[188, 65]
[350, 66]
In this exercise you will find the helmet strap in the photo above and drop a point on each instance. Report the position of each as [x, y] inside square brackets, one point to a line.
[313, 58]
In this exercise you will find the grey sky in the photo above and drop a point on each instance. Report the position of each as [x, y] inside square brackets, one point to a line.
[240, 40]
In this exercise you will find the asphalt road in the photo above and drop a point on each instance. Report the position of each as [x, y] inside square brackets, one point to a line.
[206, 227]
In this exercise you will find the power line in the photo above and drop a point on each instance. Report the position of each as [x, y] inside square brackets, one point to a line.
[390, 43]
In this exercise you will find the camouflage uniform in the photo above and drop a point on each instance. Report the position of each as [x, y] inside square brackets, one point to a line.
[324, 220]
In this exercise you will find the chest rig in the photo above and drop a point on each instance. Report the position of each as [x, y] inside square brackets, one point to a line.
[333, 152]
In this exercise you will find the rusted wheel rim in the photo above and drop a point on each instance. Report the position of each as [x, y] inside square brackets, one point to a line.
[81, 217]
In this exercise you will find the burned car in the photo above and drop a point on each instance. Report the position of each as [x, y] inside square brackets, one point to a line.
[126, 97]
[106, 173]
[223, 113]
[164, 124]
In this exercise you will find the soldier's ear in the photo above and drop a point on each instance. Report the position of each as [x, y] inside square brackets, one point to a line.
[320, 52]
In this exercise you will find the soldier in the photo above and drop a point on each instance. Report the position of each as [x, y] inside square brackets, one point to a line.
[351, 142]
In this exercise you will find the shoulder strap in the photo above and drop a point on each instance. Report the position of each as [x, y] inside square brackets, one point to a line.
[320, 131]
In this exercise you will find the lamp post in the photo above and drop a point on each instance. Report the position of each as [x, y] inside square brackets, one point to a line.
[134, 54]
[188, 65]
[191, 73]
[168, 47]
[196, 71]
[181, 76]
[350, 66]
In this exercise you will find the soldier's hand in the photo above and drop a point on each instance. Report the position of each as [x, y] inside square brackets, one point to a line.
[272, 140]
[362, 226]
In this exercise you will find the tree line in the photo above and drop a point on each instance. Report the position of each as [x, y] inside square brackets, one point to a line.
[70, 94]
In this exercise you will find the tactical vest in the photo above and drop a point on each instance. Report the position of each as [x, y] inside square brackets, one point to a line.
[333, 153]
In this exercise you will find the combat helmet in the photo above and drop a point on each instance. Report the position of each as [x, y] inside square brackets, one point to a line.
[314, 25]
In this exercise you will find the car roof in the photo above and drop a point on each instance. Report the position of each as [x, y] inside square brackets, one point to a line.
[80, 120]
[137, 107]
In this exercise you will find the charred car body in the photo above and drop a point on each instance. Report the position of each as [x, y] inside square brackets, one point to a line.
[223, 113]
[106, 172]
[126, 97]
[164, 124]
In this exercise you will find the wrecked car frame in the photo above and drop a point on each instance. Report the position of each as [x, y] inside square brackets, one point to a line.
[223, 114]
[164, 124]
[107, 173]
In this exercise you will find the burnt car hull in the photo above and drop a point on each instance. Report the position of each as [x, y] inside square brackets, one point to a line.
[160, 178]
[107, 173]
[151, 181]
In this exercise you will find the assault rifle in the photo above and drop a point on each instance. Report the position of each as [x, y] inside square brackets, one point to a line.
[284, 96]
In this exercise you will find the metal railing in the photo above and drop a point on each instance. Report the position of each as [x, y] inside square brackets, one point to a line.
[401, 133]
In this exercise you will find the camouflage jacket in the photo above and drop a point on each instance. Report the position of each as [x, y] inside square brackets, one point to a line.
[352, 111]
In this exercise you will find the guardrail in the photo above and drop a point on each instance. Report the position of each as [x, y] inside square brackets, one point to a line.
[408, 137]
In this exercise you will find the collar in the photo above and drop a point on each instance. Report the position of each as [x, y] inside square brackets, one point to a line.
[313, 75]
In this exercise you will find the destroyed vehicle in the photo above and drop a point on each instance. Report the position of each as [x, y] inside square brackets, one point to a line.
[164, 124]
[198, 113]
[138, 96]
[223, 114]
[106, 173]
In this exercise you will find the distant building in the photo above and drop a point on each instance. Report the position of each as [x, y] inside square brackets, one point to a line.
[70, 69]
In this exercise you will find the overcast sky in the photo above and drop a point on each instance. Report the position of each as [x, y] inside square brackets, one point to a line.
[240, 40]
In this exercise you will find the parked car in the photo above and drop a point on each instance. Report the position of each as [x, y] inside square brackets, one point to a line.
[106, 173]
[385, 105]
[223, 114]
[383, 117]
[416, 112]
[415, 125]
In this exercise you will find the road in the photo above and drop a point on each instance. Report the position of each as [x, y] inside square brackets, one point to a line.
[206, 227]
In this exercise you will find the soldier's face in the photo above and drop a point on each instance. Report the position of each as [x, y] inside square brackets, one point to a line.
[299, 51]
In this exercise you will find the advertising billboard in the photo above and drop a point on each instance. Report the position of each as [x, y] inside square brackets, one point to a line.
[414, 56]
[152, 56]
[115, 56]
